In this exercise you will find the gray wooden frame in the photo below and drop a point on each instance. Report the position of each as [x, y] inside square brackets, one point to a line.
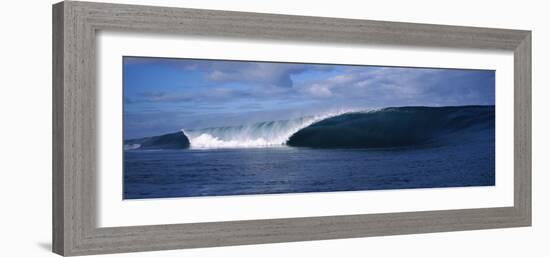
[75, 25]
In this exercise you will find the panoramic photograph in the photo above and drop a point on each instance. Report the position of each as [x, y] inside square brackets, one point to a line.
[198, 127]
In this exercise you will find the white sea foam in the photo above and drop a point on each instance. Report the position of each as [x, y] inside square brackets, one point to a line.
[256, 135]
[131, 146]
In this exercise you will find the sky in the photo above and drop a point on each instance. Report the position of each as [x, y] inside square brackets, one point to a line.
[163, 95]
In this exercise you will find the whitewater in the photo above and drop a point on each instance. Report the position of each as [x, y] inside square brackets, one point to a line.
[255, 135]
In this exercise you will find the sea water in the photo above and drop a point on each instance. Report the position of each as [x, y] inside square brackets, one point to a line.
[392, 148]
[214, 172]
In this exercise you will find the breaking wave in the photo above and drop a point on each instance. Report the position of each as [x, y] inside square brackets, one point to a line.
[388, 127]
[256, 135]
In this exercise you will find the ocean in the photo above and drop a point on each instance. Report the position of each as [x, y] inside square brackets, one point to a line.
[392, 148]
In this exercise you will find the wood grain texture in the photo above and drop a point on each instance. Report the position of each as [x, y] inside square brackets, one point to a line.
[522, 128]
[75, 25]
[58, 192]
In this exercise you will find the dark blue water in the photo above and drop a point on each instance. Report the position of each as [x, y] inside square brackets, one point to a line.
[394, 148]
[183, 173]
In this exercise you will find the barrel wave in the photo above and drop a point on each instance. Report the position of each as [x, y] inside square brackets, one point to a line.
[254, 135]
[388, 127]
[399, 127]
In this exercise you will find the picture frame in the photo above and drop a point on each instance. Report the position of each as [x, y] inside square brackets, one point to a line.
[75, 25]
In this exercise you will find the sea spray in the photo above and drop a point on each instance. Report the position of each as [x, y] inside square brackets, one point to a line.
[255, 135]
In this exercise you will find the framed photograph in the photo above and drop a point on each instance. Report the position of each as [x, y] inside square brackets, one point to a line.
[183, 128]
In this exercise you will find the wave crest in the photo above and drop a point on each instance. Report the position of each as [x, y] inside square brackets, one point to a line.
[256, 135]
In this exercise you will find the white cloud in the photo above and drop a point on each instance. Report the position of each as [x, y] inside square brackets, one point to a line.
[319, 90]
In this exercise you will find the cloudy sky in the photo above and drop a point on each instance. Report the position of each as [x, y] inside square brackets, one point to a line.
[164, 95]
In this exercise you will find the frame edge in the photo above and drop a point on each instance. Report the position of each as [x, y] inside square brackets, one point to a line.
[522, 130]
[58, 204]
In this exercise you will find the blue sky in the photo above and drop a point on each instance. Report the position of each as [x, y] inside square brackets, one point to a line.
[164, 95]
